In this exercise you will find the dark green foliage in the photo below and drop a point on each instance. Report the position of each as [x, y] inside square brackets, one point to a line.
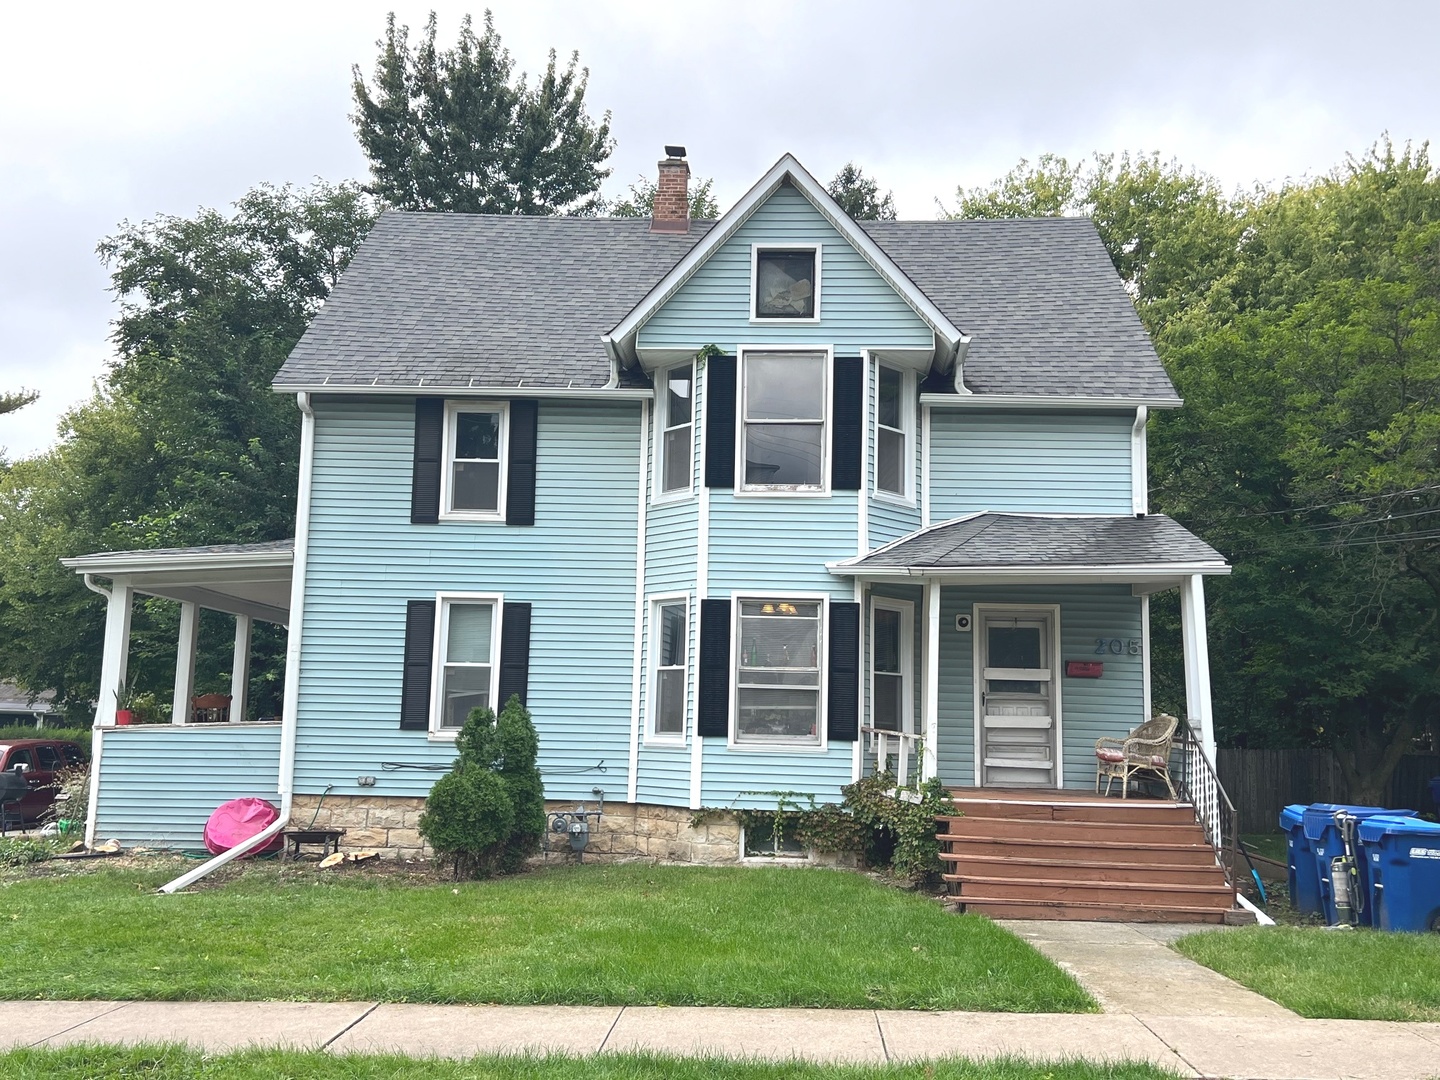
[487, 814]
[458, 129]
[905, 824]
[859, 195]
[184, 443]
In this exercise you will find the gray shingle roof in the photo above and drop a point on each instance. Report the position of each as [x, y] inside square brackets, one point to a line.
[1046, 312]
[1035, 542]
[458, 300]
[477, 300]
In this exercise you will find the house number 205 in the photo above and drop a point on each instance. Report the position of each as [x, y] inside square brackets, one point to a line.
[1117, 646]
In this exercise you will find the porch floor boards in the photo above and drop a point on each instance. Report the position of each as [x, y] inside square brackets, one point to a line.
[1043, 854]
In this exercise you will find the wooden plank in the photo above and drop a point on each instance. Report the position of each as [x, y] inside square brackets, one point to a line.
[1039, 909]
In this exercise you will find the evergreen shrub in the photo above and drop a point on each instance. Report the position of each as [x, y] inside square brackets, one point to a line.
[487, 814]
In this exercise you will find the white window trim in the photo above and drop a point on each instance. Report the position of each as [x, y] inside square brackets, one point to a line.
[780, 320]
[437, 657]
[906, 611]
[827, 441]
[653, 736]
[447, 471]
[658, 493]
[822, 726]
[907, 428]
[977, 681]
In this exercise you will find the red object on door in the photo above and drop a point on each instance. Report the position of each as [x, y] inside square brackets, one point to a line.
[1084, 669]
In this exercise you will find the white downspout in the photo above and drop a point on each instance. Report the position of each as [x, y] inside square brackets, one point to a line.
[290, 708]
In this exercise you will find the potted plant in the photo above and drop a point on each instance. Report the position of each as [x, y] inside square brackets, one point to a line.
[145, 709]
[125, 706]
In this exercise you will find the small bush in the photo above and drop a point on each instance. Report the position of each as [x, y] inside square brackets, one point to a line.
[487, 814]
[901, 824]
[22, 850]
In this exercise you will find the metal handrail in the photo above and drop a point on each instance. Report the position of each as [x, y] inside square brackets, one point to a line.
[1197, 780]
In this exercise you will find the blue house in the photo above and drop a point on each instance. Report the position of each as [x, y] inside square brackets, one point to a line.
[739, 506]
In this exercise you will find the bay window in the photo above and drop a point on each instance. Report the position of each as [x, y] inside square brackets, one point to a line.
[669, 645]
[784, 395]
[777, 673]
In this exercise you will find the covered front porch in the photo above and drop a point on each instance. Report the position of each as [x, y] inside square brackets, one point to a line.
[155, 784]
[1000, 647]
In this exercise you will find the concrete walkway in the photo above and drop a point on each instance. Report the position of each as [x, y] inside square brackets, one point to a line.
[1285, 1048]
[1130, 968]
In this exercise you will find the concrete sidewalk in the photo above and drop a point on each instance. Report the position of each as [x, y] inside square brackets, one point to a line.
[1283, 1048]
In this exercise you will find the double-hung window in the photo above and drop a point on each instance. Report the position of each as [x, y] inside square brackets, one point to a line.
[474, 480]
[677, 414]
[892, 441]
[669, 644]
[783, 445]
[777, 675]
[467, 647]
[891, 633]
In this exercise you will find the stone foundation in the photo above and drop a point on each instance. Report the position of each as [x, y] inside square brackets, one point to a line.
[390, 824]
[625, 832]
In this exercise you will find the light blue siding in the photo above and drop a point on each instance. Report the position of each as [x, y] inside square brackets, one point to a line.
[1057, 462]
[159, 783]
[858, 308]
[1090, 708]
[576, 565]
[744, 779]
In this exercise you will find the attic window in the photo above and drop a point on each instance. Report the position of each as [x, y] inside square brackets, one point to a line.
[786, 282]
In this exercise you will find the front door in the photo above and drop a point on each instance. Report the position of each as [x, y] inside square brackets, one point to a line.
[1017, 729]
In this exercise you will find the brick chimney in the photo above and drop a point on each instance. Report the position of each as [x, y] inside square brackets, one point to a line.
[671, 213]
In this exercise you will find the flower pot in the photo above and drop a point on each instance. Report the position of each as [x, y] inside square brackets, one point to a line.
[124, 717]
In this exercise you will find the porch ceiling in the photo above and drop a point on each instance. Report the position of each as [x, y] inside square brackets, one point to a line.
[1019, 548]
[241, 579]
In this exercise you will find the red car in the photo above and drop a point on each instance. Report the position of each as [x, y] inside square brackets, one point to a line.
[37, 760]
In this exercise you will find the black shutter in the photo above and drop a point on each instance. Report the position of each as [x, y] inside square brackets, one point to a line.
[713, 692]
[844, 697]
[514, 653]
[419, 662]
[520, 482]
[720, 423]
[429, 449]
[848, 424]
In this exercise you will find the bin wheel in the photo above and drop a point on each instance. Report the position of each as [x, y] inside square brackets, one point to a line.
[1435, 923]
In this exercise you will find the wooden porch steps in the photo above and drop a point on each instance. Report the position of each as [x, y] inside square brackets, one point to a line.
[1060, 855]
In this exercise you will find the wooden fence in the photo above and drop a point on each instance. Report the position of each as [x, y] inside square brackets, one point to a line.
[1260, 782]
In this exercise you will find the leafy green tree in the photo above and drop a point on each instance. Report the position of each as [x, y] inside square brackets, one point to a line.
[487, 814]
[18, 400]
[457, 129]
[1052, 187]
[641, 201]
[859, 195]
[184, 442]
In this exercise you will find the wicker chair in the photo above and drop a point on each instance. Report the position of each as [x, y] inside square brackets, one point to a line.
[1144, 752]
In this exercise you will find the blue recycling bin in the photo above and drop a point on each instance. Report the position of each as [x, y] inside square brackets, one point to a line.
[1327, 844]
[1301, 874]
[1403, 855]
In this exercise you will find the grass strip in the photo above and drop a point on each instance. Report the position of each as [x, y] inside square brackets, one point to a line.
[632, 934]
[1329, 974]
[181, 1063]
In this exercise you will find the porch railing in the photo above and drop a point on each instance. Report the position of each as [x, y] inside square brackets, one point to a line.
[904, 746]
[1196, 780]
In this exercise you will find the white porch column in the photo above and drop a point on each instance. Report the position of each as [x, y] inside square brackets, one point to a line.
[929, 764]
[240, 670]
[185, 662]
[115, 658]
[1197, 662]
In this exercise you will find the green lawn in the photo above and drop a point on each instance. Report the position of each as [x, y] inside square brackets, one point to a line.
[1348, 975]
[1270, 845]
[591, 935]
[173, 1063]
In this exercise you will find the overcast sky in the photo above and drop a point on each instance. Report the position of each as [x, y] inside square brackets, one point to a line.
[118, 111]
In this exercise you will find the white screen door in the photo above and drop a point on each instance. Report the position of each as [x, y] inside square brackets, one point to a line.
[1017, 714]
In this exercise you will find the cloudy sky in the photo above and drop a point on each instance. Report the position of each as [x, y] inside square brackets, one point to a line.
[124, 111]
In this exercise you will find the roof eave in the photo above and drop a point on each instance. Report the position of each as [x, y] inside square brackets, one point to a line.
[107, 564]
[1129, 572]
[979, 400]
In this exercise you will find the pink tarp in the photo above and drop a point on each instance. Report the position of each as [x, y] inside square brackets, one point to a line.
[238, 820]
